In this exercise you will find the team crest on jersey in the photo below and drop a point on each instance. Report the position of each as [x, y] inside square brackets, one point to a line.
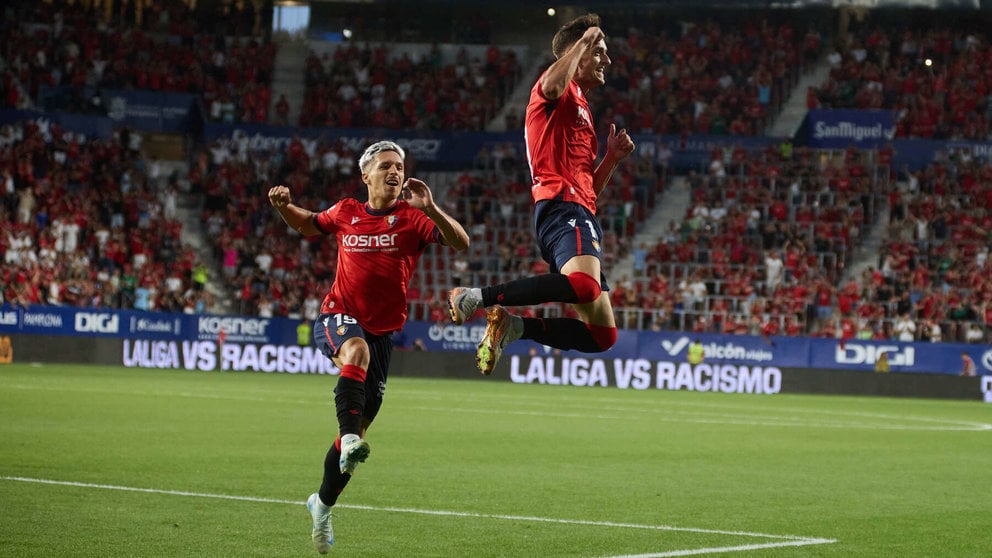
[595, 244]
[342, 329]
[391, 220]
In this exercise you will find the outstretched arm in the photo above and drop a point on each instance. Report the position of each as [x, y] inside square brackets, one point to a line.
[296, 217]
[618, 147]
[418, 195]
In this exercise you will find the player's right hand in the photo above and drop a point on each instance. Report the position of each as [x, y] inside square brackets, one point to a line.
[279, 196]
[593, 35]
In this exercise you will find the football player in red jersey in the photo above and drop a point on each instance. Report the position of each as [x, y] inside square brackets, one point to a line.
[561, 150]
[379, 243]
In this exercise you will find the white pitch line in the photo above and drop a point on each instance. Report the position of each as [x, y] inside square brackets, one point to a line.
[723, 549]
[151, 490]
[786, 540]
[586, 522]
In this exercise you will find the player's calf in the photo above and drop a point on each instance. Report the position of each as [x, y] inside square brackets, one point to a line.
[575, 288]
[569, 334]
[604, 336]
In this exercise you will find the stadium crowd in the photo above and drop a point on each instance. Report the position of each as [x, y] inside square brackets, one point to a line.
[762, 249]
[719, 75]
[383, 87]
[91, 224]
[713, 76]
[245, 236]
[764, 232]
[62, 55]
[935, 78]
[736, 266]
[759, 251]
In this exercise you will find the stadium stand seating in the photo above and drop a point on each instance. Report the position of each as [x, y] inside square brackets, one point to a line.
[933, 76]
[382, 86]
[722, 74]
[809, 209]
[91, 225]
[64, 54]
[763, 248]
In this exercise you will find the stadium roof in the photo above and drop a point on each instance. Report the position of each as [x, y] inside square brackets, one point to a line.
[798, 4]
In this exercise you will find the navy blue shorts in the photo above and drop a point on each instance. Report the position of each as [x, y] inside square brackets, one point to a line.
[565, 230]
[330, 331]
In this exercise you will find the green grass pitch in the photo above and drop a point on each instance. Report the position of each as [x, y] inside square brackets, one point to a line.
[107, 462]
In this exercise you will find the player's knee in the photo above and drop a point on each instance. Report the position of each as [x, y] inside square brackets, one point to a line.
[354, 351]
[586, 287]
[604, 336]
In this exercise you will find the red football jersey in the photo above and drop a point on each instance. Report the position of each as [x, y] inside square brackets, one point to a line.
[377, 253]
[561, 146]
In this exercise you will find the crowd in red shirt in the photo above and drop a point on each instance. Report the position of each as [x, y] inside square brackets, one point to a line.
[713, 271]
[724, 75]
[70, 48]
[382, 87]
[89, 224]
[712, 76]
[938, 80]
[275, 274]
[761, 250]
[934, 265]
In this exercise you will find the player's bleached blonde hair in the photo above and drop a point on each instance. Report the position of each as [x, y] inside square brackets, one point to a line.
[376, 148]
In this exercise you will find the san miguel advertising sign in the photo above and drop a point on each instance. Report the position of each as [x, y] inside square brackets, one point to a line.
[839, 129]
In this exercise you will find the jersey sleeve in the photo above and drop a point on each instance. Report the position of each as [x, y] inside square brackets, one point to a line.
[539, 90]
[326, 221]
[428, 231]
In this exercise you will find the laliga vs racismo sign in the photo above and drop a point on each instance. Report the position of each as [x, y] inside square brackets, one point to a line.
[642, 374]
[207, 355]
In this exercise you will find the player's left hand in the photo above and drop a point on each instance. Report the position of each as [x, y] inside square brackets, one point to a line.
[619, 143]
[417, 194]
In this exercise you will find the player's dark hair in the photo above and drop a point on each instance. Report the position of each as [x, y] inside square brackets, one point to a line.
[571, 32]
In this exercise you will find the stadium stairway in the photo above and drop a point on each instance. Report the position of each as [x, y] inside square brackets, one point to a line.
[672, 205]
[868, 252]
[786, 124]
[289, 78]
[188, 209]
[794, 110]
[516, 103]
[24, 101]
